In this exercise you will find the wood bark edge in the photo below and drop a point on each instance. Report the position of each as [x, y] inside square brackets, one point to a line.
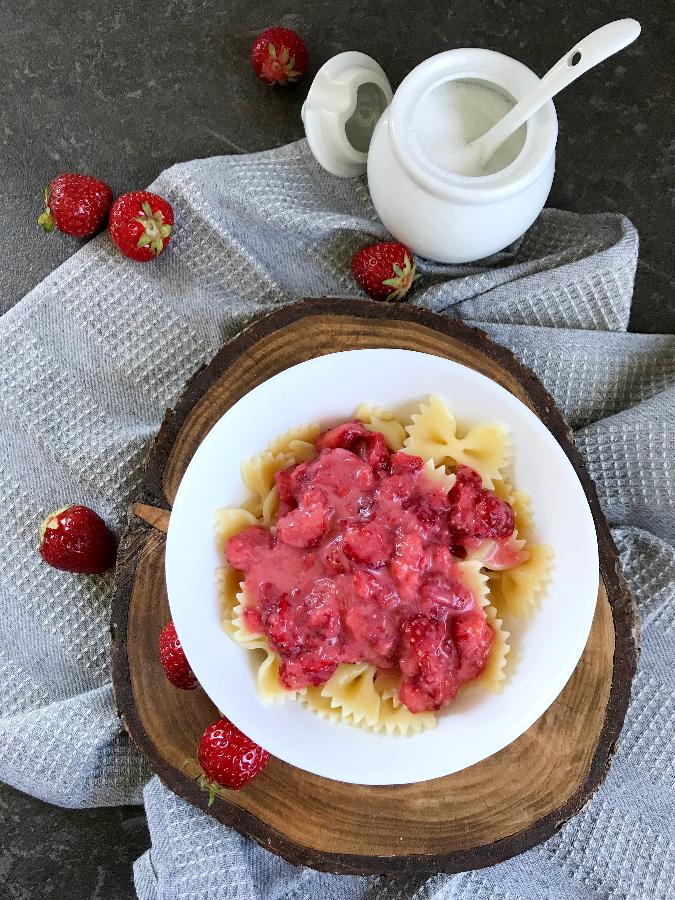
[139, 532]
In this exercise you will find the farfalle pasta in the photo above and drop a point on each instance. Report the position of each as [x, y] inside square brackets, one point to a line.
[373, 566]
[352, 690]
[433, 434]
[258, 473]
[516, 591]
[377, 419]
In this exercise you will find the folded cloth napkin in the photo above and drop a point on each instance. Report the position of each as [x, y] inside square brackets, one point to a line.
[94, 355]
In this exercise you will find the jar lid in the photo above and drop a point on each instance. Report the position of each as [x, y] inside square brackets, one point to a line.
[345, 101]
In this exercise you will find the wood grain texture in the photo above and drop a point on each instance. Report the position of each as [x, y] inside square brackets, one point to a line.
[495, 809]
[158, 518]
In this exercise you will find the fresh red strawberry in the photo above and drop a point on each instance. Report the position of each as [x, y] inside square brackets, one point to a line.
[140, 224]
[279, 56]
[228, 758]
[385, 271]
[174, 661]
[76, 539]
[76, 205]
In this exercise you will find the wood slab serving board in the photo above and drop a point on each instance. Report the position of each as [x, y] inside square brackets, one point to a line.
[480, 816]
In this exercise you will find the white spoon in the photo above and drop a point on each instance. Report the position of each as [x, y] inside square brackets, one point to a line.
[605, 41]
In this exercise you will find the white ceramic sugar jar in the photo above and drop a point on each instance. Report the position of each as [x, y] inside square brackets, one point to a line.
[353, 123]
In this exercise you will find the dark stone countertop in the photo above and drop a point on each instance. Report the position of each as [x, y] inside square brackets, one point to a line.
[123, 89]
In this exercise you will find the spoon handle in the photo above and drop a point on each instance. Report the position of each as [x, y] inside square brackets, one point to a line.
[590, 51]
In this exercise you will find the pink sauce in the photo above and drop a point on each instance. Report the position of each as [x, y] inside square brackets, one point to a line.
[362, 567]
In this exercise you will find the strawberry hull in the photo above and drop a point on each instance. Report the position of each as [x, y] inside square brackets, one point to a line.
[140, 225]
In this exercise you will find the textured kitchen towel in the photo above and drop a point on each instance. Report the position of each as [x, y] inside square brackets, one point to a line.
[94, 355]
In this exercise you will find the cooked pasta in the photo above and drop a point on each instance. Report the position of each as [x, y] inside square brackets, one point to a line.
[433, 434]
[492, 676]
[522, 508]
[258, 472]
[270, 688]
[377, 419]
[398, 720]
[439, 474]
[475, 579]
[517, 591]
[352, 691]
[357, 694]
[290, 440]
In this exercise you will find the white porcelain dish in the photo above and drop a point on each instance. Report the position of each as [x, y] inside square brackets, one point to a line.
[439, 214]
[548, 646]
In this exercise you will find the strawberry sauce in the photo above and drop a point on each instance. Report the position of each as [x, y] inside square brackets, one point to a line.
[362, 567]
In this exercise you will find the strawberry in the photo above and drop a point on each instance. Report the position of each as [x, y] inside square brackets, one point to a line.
[279, 56]
[385, 271]
[304, 526]
[369, 543]
[475, 511]
[174, 661]
[428, 662]
[140, 225]
[76, 539]
[228, 758]
[76, 205]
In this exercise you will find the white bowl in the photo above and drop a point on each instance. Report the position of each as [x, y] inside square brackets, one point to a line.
[478, 724]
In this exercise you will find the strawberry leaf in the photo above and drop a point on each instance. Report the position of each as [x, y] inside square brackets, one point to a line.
[46, 220]
[155, 230]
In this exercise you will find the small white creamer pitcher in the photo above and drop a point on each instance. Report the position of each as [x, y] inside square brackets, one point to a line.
[353, 123]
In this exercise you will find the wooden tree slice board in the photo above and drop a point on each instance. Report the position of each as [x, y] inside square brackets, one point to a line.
[480, 816]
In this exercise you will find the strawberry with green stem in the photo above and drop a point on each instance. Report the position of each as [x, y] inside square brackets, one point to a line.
[75, 204]
[228, 758]
[140, 225]
[279, 56]
[385, 271]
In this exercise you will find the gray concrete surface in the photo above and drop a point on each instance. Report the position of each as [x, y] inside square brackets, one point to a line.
[123, 89]
[67, 854]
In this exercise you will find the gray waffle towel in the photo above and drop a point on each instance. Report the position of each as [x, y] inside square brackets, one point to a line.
[94, 355]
